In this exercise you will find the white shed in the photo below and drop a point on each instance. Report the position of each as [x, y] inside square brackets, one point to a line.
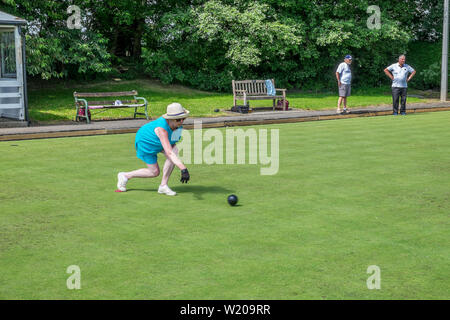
[13, 85]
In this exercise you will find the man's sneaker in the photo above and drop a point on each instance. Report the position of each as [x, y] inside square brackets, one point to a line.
[121, 182]
[394, 113]
[403, 113]
[166, 190]
[338, 110]
[345, 110]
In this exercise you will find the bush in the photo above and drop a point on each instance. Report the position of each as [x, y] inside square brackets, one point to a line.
[207, 46]
[426, 58]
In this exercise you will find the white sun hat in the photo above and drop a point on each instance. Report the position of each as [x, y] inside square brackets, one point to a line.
[175, 111]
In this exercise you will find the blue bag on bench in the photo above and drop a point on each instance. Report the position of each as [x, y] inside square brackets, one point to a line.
[270, 88]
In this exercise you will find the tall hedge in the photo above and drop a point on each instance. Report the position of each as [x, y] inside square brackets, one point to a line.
[299, 43]
[207, 43]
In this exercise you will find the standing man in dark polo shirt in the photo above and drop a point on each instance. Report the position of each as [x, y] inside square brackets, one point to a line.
[398, 73]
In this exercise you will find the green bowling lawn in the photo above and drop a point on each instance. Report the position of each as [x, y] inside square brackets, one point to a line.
[349, 194]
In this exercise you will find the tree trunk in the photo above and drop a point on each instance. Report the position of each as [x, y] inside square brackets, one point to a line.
[137, 40]
[114, 42]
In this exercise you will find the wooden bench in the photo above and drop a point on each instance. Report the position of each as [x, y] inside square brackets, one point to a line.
[82, 104]
[255, 90]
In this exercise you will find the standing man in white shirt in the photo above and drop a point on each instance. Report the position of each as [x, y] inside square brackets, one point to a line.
[398, 73]
[344, 79]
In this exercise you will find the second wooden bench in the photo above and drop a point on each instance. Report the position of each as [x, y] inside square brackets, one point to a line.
[256, 90]
[84, 103]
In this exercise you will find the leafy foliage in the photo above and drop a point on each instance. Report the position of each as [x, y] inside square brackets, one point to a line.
[207, 43]
[54, 50]
[298, 43]
[426, 58]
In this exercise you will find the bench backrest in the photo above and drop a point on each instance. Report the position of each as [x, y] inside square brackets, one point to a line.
[253, 87]
[85, 95]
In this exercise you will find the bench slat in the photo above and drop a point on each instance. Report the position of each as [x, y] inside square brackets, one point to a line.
[250, 81]
[104, 94]
[113, 106]
[240, 94]
[262, 97]
[110, 102]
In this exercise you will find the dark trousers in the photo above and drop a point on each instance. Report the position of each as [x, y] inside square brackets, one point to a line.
[396, 94]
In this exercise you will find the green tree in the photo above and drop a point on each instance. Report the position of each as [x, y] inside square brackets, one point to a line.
[54, 50]
[207, 43]
[297, 42]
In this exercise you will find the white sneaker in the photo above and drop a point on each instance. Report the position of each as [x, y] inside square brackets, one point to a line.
[122, 182]
[166, 190]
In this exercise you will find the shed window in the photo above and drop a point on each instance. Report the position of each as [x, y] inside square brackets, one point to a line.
[8, 55]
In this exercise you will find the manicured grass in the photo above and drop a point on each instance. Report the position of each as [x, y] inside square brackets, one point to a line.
[57, 103]
[349, 194]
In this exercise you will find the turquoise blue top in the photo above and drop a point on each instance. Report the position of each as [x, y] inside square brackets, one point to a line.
[148, 140]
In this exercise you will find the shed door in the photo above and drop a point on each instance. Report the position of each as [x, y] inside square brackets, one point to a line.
[11, 76]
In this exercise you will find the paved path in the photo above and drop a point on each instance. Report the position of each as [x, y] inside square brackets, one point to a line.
[262, 117]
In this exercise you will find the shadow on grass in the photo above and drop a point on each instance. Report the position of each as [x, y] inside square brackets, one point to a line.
[198, 191]
[142, 189]
[45, 116]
